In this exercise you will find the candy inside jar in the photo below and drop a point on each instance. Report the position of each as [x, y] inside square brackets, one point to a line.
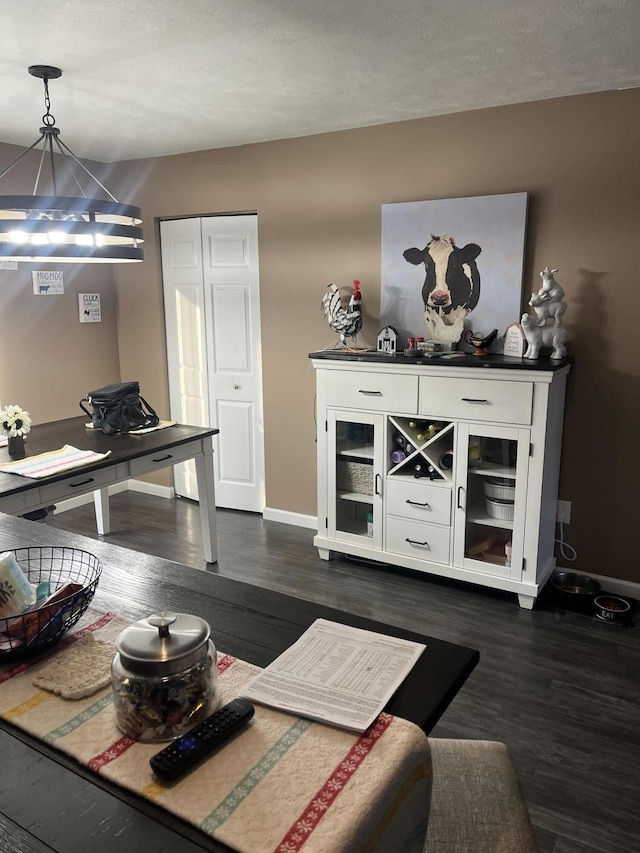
[164, 677]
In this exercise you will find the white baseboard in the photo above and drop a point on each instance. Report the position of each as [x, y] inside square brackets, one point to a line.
[132, 485]
[283, 516]
[152, 489]
[622, 587]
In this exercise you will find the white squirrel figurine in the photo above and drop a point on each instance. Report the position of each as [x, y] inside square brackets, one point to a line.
[549, 304]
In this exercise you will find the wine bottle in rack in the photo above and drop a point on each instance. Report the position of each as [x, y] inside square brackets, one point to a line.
[446, 460]
[400, 440]
[403, 443]
[427, 431]
[425, 469]
[397, 456]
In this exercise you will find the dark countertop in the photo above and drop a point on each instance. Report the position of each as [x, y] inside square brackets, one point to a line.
[491, 360]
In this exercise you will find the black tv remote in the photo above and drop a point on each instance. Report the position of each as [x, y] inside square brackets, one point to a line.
[187, 750]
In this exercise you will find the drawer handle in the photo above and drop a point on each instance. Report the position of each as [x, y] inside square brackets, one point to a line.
[421, 544]
[81, 483]
[370, 393]
[163, 458]
[473, 400]
[417, 503]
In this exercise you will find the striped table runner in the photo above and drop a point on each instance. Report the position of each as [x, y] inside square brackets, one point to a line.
[285, 784]
[53, 462]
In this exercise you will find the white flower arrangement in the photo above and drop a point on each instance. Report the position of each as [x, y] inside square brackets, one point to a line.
[14, 421]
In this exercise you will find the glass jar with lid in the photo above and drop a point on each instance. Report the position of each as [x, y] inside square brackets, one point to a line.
[164, 676]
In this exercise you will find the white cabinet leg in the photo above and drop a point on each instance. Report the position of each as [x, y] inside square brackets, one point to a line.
[325, 554]
[526, 601]
[101, 504]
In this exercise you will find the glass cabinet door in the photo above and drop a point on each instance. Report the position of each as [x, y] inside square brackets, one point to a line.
[491, 469]
[355, 482]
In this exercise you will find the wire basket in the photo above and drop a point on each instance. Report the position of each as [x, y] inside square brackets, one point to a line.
[354, 477]
[38, 629]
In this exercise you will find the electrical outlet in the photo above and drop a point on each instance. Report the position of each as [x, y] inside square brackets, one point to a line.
[563, 513]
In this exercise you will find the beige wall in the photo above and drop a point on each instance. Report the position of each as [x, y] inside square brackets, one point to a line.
[318, 201]
[49, 360]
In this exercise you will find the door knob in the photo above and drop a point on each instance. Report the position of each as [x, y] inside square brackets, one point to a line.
[236, 387]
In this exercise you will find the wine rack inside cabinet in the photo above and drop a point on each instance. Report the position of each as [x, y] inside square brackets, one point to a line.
[420, 448]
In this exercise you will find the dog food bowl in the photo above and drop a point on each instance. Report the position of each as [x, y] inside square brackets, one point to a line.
[613, 609]
[498, 508]
[499, 488]
[574, 591]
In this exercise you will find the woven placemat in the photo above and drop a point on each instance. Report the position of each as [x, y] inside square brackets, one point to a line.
[78, 671]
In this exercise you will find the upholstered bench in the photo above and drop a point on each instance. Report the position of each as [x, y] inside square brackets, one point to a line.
[477, 805]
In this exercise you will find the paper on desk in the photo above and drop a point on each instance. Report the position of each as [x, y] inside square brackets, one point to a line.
[336, 674]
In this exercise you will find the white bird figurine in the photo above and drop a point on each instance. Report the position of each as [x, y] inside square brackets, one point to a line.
[346, 322]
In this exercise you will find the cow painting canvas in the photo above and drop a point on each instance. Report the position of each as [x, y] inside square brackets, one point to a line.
[453, 264]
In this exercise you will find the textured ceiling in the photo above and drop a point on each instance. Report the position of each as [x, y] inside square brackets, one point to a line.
[152, 77]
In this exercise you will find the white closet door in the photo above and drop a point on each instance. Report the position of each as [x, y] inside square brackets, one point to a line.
[183, 284]
[232, 300]
[212, 309]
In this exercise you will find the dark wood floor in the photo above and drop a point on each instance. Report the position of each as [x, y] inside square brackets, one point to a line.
[560, 688]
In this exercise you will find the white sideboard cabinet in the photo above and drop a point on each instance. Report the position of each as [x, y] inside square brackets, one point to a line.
[448, 467]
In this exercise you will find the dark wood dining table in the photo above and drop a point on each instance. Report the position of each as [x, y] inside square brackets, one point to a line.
[50, 802]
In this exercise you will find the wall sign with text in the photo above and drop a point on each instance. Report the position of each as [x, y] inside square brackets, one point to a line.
[47, 282]
[89, 307]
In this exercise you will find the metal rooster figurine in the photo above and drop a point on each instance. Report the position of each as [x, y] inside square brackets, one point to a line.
[346, 322]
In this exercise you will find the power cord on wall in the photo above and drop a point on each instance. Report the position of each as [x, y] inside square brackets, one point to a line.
[565, 549]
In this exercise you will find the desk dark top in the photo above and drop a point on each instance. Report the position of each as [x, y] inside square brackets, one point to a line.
[246, 621]
[123, 446]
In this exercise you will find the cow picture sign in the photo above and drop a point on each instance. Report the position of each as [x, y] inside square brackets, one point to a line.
[450, 265]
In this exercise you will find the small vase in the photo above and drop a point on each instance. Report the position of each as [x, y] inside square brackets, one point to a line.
[15, 446]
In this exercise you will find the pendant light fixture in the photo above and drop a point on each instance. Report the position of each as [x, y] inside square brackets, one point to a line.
[41, 228]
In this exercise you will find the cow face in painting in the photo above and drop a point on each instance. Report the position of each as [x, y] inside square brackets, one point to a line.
[452, 279]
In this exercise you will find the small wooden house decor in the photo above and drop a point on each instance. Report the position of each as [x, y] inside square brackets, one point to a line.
[388, 340]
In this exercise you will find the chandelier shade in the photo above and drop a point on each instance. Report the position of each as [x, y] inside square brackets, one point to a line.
[41, 228]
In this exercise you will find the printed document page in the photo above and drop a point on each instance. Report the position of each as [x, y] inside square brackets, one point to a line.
[335, 674]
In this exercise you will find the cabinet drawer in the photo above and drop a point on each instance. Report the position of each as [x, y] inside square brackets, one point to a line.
[414, 539]
[378, 392]
[79, 484]
[417, 500]
[160, 459]
[476, 400]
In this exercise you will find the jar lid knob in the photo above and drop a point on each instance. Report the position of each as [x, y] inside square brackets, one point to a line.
[162, 620]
